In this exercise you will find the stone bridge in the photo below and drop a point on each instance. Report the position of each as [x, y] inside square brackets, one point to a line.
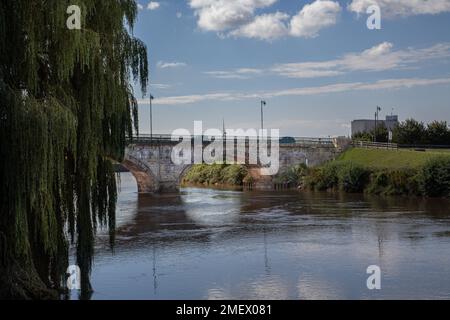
[149, 159]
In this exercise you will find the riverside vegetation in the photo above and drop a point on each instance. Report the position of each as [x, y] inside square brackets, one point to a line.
[383, 172]
[380, 172]
[216, 174]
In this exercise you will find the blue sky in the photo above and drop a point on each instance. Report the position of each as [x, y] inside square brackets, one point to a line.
[316, 63]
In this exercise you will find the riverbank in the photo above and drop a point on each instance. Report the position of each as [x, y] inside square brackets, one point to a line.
[383, 172]
[391, 159]
[371, 171]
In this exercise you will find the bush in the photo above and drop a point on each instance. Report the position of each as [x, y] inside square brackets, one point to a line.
[234, 175]
[394, 182]
[402, 182]
[379, 182]
[323, 178]
[346, 176]
[293, 175]
[435, 177]
[432, 180]
[352, 177]
[216, 174]
[197, 175]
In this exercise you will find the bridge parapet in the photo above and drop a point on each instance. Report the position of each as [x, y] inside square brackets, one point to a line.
[294, 141]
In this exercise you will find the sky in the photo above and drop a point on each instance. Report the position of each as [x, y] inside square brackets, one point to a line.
[316, 63]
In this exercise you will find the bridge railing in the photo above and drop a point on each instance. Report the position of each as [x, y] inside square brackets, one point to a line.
[166, 138]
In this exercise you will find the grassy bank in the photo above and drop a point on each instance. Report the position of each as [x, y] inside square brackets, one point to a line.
[216, 175]
[390, 159]
[386, 172]
[383, 172]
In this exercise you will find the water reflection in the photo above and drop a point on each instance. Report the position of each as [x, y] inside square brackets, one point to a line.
[211, 244]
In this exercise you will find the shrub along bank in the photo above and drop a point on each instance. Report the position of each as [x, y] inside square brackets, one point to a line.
[427, 177]
[216, 174]
[431, 179]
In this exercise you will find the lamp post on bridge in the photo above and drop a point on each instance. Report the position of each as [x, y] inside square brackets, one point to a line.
[151, 117]
[263, 104]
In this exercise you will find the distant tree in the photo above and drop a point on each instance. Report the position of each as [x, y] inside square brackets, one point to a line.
[410, 132]
[438, 133]
[363, 136]
[381, 133]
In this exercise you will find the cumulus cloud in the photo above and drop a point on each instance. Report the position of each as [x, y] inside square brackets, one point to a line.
[264, 27]
[388, 84]
[238, 18]
[221, 15]
[153, 5]
[314, 17]
[392, 8]
[166, 65]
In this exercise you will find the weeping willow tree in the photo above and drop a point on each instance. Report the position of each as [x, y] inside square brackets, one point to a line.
[67, 109]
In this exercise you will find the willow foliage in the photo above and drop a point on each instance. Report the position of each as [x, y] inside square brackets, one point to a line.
[66, 110]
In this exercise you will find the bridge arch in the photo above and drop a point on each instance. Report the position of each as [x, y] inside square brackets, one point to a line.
[183, 172]
[146, 180]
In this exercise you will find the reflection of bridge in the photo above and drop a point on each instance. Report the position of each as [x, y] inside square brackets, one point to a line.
[149, 158]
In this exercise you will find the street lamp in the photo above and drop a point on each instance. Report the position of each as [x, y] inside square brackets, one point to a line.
[263, 103]
[151, 117]
[377, 117]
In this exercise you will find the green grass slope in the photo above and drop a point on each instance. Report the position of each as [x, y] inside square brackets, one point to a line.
[390, 159]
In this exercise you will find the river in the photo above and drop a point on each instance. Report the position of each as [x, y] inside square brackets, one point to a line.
[215, 244]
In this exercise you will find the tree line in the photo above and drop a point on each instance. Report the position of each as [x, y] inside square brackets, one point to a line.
[410, 132]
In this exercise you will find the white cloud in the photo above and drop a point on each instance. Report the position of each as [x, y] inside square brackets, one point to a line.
[140, 6]
[392, 8]
[161, 86]
[237, 18]
[378, 58]
[166, 65]
[222, 15]
[179, 14]
[314, 17]
[389, 84]
[153, 5]
[265, 27]
[243, 73]
[381, 57]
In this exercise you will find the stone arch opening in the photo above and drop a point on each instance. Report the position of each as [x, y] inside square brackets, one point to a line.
[145, 179]
[183, 172]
